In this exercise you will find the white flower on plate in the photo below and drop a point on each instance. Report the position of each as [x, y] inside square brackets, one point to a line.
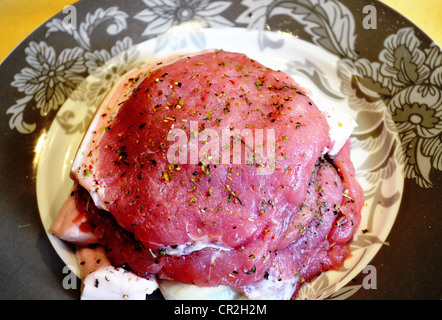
[161, 15]
[107, 67]
[122, 52]
[104, 68]
[50, 79]
[256, 13]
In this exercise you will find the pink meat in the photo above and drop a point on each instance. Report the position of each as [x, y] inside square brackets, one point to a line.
[218, 90]
[291, 224]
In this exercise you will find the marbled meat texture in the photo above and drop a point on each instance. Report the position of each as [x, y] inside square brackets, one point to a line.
[289, 225]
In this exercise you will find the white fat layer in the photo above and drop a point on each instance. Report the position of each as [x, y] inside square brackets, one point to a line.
[269, 289]
[110, 283]
[102, 281]
[174, 290]
[67, 225]
[188, 248]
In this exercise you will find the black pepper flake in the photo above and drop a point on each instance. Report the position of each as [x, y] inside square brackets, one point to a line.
[153, 163]
[142, 125]
[253, 270]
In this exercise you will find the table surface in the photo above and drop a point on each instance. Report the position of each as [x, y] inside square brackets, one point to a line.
[19, 18]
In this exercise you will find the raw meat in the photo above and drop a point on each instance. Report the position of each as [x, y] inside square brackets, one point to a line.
[262, 223]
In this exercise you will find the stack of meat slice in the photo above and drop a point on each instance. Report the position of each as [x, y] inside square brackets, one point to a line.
[262, 228]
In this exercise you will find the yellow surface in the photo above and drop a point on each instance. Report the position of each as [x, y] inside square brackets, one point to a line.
[426, 14]
[18, 18]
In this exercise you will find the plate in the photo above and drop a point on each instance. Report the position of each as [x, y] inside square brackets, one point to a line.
[393, 88]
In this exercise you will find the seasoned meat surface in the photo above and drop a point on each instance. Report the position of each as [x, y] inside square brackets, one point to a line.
[263, 208]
